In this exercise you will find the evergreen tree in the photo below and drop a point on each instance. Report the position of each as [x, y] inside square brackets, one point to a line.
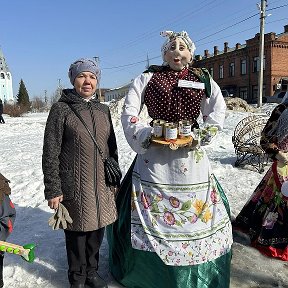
[23, 97]
[56, 95]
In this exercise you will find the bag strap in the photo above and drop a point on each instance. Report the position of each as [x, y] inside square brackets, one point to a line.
[90, 133]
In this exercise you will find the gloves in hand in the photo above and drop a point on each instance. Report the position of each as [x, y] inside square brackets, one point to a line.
[282, 157]
[60, 218]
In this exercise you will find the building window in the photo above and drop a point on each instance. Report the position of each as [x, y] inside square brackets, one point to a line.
[2, 76]
[255, 64]
[232, 69]
[211, 71]
[243, 93]
[254, 92]
[243, 67]
[221, 72]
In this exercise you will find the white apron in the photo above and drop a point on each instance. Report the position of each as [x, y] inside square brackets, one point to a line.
[177, 210]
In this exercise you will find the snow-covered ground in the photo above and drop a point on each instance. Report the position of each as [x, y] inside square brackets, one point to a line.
[21, 142]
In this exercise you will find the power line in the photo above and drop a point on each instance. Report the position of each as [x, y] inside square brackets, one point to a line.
[217, 32]
[236, 33]
[135, 63]
[277, 7]
[142, 61]
[228, 27]
[227, 36]
[153, 32]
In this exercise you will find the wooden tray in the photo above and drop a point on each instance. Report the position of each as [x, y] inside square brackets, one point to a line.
[178, 141]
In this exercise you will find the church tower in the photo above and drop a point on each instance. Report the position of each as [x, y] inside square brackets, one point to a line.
[6, 90]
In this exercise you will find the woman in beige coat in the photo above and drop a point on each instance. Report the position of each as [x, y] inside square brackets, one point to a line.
[74, 171]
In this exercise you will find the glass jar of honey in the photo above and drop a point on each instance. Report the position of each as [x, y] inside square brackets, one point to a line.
[158, 128]
[170, 131]
[184, 129]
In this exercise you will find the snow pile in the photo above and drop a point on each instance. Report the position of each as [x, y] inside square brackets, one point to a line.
[21, 150]
[238, 104]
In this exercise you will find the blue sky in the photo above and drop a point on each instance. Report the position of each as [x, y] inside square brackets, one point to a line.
[40, 38]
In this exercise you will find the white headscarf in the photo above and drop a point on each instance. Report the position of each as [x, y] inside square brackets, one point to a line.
[171, 37]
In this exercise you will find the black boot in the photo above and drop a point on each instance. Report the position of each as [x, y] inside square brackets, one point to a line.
[95, 282]
[77, 285]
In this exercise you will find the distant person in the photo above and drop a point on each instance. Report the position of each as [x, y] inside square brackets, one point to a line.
[1, 112]
[7, 217]
[174, 229]
[74, 171]
[265, 215]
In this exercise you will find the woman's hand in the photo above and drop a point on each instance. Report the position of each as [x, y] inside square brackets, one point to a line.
[54, 202]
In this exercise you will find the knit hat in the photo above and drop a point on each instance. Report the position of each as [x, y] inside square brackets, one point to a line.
[171, 36]
[83, 65]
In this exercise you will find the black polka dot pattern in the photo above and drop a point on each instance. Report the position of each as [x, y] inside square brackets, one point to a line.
[165, 100]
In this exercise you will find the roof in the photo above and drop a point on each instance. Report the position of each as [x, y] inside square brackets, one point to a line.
[118, 88]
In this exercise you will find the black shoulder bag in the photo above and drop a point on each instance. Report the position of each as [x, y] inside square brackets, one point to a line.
[112, 169]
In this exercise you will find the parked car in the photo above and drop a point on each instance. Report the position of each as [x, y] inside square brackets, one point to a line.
[225, 93]
[276, 98]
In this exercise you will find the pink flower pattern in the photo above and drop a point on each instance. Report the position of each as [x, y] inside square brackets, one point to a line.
[174, 202]
[169, 218]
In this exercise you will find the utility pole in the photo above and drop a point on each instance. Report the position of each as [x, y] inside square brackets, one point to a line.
[148, 64]
[262, 9]
[97, 60]
[59, 87]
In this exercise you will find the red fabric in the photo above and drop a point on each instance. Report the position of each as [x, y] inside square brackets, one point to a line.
[183, 73]
[11, 204]
[10, 226]
[269, 251]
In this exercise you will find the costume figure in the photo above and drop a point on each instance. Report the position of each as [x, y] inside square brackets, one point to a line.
[264, 216]
[174, 229]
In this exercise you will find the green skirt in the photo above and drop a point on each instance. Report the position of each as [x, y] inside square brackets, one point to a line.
[140, 269]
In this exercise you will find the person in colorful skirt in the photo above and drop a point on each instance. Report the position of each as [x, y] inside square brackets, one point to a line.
[174, 228]
[264, 216]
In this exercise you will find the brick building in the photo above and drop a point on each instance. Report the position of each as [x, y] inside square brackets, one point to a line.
[236, 69]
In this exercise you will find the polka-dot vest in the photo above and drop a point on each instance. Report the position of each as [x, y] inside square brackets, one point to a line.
[166, 101]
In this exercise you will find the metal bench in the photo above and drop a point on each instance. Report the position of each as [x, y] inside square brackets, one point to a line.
[246, 141]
